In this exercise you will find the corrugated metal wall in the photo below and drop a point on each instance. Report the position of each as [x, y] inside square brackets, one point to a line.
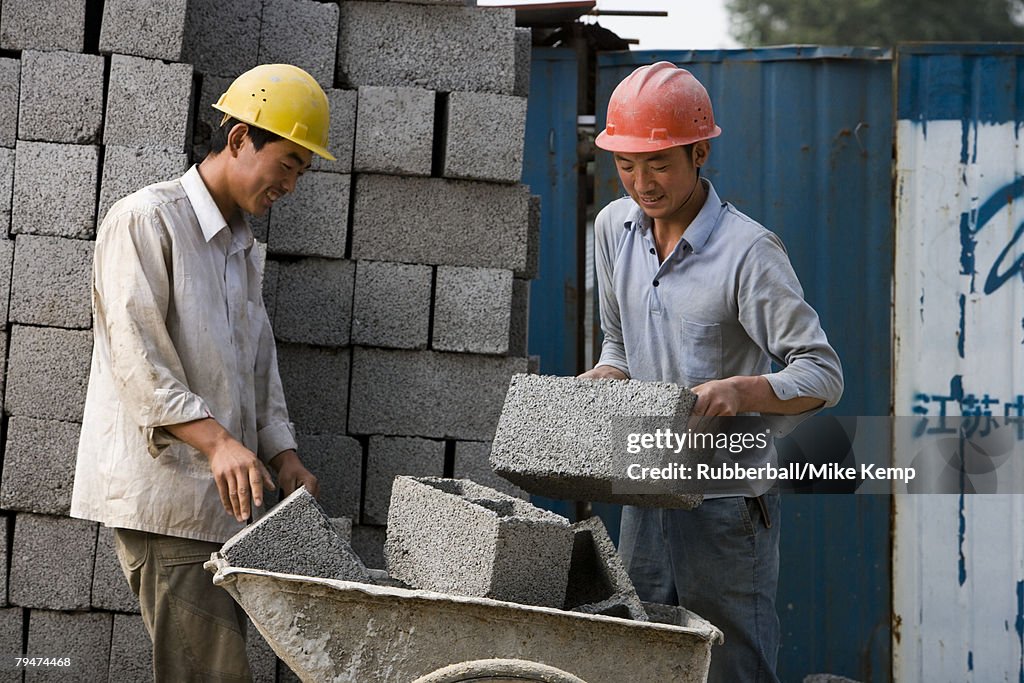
[806, 150]
[958, 571]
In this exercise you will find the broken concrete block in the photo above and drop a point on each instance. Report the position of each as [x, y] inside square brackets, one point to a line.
[524, 57]
[342, 132]
[10, 89]
[48, 372]
[473, 462]
[598, 582]
[455, 536]
[42, 25]
[110, 590]
[205, 30]
[51, 562]
[52, 282]
[127, 169]
[144, 28]
[392, 305]
[55, 189]
[295, 537]
[440, 222]
[12, 624]
[131, 650]
[394, 131]
[563, 437]
[149, 104]
[477, 149]
[390, 456]
[337, 463]
[84, 638]
[435, 47]
[315, 386]
[423, 393]
[262, 660]
[368, 542]
[313, 220]
[303, 33]
[39, 465]
[61, 97]
[472, 310]
[314, 301]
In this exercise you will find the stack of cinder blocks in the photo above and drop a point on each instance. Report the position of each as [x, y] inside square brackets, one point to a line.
[397, 277]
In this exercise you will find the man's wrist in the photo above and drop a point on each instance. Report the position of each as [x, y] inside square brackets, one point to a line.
[283, 458]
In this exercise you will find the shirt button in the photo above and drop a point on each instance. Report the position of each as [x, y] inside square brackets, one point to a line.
[652, 250]
[655, 283]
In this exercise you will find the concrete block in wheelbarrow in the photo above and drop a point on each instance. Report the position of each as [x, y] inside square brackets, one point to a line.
[295, 537]
[563, 437]
[455, 536]
[598, 582]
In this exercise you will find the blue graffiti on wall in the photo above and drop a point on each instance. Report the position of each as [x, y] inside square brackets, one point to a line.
[973, 222]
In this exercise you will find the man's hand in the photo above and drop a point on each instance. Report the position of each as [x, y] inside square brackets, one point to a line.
[292, 474]
[717, 397]
[603, 372]
[747, 394]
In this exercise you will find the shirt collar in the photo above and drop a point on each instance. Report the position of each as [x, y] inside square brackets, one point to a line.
[211, 220]
[698, 232]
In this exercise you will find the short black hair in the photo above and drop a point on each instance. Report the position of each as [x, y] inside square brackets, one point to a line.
[258, 136]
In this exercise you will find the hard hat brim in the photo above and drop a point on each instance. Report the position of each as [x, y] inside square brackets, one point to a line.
[630, 144]
[316, 149]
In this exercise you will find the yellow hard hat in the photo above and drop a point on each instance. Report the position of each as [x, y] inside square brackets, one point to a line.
[284, 100]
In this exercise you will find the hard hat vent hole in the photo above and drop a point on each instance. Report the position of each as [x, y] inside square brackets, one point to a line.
[263, 90]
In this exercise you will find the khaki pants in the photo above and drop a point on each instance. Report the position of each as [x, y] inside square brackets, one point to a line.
[197, 629]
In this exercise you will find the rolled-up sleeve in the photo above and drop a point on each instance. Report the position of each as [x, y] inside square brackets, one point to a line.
[613, 351]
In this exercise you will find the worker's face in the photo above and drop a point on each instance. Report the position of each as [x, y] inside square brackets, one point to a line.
[661, 182]
[263, 176]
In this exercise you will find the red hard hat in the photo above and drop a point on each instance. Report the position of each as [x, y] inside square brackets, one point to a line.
[657, 107]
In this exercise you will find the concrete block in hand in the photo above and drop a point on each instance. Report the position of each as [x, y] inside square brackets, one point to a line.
[149, 103]
[10, 95]
[342, 132]
[295, 537]
[315, 386]
[564, 437]
[303, 33]
[337, 463]
[82, 637]
[394, 130]
[208, 23]
[127, 169]
[390, 456]
[313, 220]
[61, 97]
[314, 301]
[51, 562]
[110, 590]
[477, 149]
[42, 25]
[473, 462]
[343, 525]
[455, 536]
[472, 310]
[48, 372]
[131, 650]
[55, 189]
[52, 282]
[144, 28]
[598, 582]
[39, 465]
[392, 305]
[429, 394]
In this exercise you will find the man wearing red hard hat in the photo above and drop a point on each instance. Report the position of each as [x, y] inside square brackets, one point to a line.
[696, 293]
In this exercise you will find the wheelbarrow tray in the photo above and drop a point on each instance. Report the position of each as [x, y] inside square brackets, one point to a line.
[330, 630]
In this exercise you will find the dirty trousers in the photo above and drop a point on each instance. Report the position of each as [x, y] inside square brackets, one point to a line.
[197, 629]
[720, 560]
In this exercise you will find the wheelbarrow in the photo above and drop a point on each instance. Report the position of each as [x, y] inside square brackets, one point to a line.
[350, 632]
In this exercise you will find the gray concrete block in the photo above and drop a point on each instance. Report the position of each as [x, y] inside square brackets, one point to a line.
[303, 33]
[51, 562]
[127, 169]
[6, 270]
[524, 57]
[10, 94]
[110, 589]
[519, 323]
[390, 456]
[343, 525]
[262, 660]
[149, 103]
[455, 536]
[207, 118]
[5, 525]
[52, 282]
[337, 463]
[295, 537]
[315, 386]
[475, 147]
[42, 25]
[48, 372]
[55, 189]
[6, 190]
[440, 222]
[61, 97]
[394, 131]
[435, 47]
[12, 623]
[131, 650]
[144, 28]
[270, 271]
[39, 465]
[564, 437]
[342, 132]
[83, 637]
[368, 542]
[598, 582]
[392, 305]
[313, 220]
[314, 301]
[285, 674]
[472, 310]
[473, 462]
[532, 267]
[223, 38]
[423, 393]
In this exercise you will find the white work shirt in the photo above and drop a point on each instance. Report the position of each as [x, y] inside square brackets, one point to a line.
[179, 333]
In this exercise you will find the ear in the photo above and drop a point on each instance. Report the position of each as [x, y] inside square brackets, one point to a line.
[237, 137]
[701, 152]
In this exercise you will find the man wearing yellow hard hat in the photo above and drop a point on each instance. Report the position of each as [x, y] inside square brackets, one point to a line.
[185, 417]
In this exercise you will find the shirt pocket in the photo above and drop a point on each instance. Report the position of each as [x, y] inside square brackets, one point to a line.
[702, 351]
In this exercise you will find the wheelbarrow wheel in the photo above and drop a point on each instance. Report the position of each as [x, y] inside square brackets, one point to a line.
[499, 671]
